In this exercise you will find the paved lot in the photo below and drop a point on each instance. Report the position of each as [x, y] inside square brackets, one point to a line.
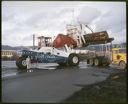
[49, 82]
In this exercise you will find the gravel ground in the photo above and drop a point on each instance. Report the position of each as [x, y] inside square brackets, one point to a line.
[112, 90]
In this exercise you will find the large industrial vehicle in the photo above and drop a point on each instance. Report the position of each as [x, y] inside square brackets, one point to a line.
[77, 36]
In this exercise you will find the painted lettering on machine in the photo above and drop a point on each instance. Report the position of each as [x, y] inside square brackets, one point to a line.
[44, 57]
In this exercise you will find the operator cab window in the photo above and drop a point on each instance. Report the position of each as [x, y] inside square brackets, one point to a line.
[115, 51]
[122, 50]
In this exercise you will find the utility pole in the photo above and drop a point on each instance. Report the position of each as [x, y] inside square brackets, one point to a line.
[33, 41]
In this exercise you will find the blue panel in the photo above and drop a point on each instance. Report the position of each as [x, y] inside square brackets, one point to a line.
[44, 58]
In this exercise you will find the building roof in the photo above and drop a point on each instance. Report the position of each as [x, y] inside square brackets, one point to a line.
[9, 50]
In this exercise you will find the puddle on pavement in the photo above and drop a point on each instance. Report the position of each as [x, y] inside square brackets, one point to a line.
[14, 71]
[8, 74]
[83, 65]
[47, 67]
[50, 66]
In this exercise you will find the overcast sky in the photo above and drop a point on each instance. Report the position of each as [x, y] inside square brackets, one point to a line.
[22, 19]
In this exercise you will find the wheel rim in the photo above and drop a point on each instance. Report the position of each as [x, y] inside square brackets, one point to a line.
[75, 59]
[91, 61]
[24, 63]
[96, 62]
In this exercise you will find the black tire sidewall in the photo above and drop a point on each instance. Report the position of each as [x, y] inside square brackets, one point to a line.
[70, 59]
[124, 67]
[19, 63]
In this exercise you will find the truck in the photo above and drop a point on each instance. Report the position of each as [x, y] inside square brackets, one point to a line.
[119, 57]
[67, 55]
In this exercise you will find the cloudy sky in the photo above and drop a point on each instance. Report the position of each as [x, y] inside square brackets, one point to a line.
[22, 19]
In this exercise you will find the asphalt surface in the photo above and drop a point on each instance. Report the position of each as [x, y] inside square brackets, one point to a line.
[48, 82]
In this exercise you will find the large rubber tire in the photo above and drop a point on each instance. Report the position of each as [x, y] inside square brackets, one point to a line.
[21, 63]
[91, 62]
[106, 61]
[96, 62]
[73, 59]
[122, 65]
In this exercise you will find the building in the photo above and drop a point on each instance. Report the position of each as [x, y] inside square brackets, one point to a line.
[8, 53]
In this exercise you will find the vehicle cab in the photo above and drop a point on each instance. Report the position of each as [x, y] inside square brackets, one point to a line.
[119, 56]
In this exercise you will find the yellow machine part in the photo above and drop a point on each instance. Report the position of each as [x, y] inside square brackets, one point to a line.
[118, 55]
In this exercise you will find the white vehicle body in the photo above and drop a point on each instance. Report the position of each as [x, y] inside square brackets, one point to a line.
[49, 55]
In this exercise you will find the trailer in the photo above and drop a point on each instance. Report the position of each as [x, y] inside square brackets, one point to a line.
[102, 57]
